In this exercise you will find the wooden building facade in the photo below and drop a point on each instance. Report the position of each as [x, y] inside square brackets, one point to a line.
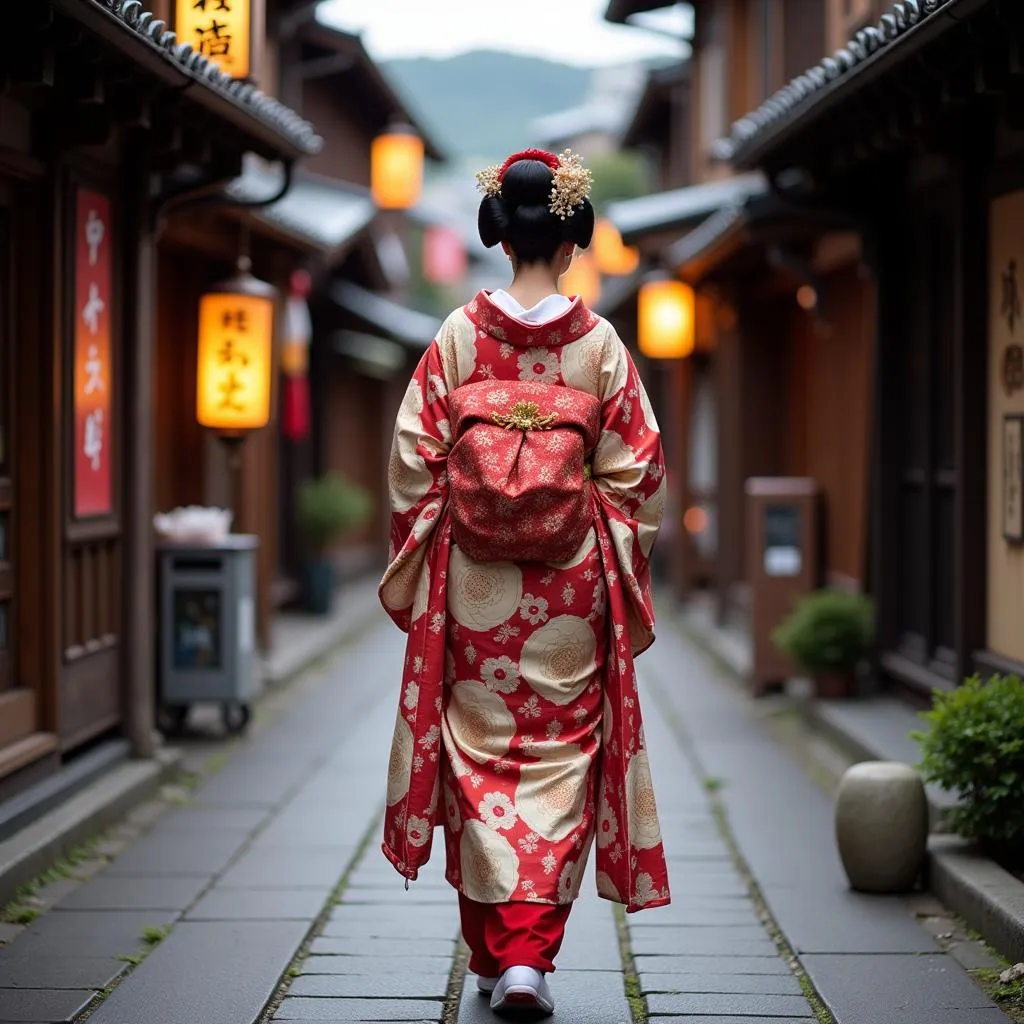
[105, 126]
[779, 383]
[914, 130]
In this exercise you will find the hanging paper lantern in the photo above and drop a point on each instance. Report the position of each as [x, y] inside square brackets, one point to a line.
[665, 328]
[236, 331]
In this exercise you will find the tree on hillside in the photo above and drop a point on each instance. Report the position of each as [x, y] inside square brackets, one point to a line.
[621, 175]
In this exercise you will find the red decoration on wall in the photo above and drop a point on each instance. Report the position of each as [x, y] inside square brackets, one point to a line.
[93, 355]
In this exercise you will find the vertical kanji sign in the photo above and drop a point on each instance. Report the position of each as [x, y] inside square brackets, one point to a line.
[221, 30]
[93, 353]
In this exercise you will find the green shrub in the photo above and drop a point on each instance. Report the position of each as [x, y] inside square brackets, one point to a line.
[974, 747]
[330, 507]
[829, 630]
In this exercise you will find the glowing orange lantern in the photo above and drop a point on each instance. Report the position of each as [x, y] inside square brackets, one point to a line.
[236, 331]
[666, 320]
[396, 168]
[613, 258]
[582, 279]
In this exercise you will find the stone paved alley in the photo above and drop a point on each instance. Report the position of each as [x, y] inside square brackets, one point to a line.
[280, 907]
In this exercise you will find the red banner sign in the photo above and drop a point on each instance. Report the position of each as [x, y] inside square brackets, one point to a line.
[93, 372]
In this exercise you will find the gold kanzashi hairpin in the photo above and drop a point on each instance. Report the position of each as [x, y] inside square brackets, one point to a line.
[570, 187]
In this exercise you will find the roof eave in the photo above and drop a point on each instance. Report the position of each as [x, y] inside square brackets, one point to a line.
[276, 129]
[618, 11]
[754, 146]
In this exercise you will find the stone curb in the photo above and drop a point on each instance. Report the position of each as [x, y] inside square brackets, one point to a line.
[33, 849]
[987, 897]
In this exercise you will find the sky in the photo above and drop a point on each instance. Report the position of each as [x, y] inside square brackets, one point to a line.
[570, 31]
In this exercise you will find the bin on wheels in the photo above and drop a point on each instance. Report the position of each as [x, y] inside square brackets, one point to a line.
[208, 629]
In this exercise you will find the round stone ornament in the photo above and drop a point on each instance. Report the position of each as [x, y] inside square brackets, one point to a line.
[881, 823]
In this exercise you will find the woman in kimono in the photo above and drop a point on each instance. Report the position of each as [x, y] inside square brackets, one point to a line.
[519, 726]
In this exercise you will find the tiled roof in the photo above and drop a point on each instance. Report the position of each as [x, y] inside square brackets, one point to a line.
[668, 211]
[805, 91]
[271, 113]
[391, 319]
[706, 235]
[318, 212]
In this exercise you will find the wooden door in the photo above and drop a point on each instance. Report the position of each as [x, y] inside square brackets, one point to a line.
[928, 474]
[21, 741]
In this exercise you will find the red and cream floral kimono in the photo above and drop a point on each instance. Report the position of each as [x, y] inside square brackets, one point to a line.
[519, 724]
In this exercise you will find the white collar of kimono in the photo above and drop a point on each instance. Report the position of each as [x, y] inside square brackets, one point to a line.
[549, 308]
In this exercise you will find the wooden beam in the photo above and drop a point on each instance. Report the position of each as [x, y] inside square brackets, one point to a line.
[81, 124]
[138, 348]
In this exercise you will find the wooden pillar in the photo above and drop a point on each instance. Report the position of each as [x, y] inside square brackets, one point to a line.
[139, 634]
[678, 381]
[728, 370]
[887, 252]
[970, 400]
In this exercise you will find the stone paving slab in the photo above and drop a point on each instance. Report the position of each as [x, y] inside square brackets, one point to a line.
[721, 1004]
[221, 904]
[702, 1019]
[321, 964]
[735, 918]
[156, 856]
[738, 965]
[384, 984]
[387, 922]
[759, 984]
[32, 1005]
[916, 989]
[435, 896]
[207, 820]
[111, 892]
[354, 946]
[69, 972]
[284, 869]
[333, 1011]
[692, 942]
[869, 924]
[223, 972]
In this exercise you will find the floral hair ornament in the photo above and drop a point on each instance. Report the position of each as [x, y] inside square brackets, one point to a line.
[570, 187]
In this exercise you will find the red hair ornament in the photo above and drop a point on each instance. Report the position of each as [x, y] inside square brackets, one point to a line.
[570, 186]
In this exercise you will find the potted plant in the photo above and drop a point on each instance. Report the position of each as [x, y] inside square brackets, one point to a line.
[974, 747]
[828, 634]
[328, 508]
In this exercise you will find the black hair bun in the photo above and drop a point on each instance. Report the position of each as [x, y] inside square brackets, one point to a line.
[521, 215]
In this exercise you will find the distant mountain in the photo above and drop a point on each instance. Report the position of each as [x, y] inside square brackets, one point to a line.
[483, 104]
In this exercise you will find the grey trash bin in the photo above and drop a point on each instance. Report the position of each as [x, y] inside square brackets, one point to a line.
[208, 628]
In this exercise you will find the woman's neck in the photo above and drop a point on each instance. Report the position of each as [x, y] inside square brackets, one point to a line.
[532, 284]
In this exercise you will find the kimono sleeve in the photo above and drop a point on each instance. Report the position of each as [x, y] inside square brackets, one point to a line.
[629, 474]
[418, 488]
